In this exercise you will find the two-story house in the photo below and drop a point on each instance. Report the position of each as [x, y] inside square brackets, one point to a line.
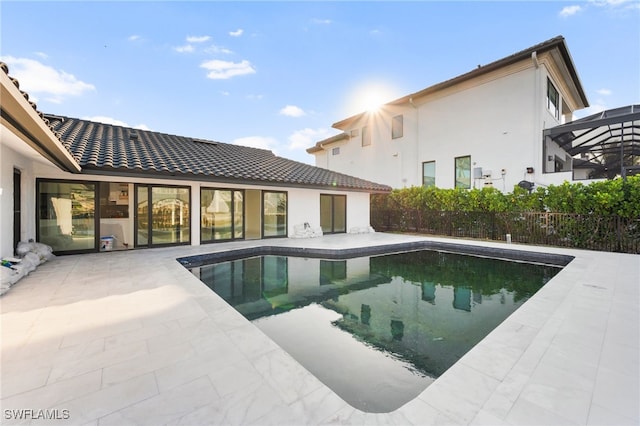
[482, 128]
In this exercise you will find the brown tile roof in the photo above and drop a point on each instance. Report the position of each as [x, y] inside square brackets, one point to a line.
[105, 148]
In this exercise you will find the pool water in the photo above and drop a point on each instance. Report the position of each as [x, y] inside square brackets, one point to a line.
[376, 329]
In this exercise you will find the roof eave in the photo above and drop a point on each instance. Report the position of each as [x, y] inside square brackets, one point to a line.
[139, 173]
[20, 117]
[319, 146]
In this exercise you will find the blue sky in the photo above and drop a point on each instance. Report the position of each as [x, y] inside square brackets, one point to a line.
[277, 75]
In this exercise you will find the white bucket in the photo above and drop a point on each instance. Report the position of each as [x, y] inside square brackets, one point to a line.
[106, 243]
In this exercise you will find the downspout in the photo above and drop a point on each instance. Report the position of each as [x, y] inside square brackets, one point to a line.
[326, 154]
[534, 58]
[418, 166]
[538, 137]
[623, 171]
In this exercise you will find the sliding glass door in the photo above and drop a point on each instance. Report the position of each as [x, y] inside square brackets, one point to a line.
[333, 213]
[162, 215]
[274, 214]
[67, 215]
[221, 214]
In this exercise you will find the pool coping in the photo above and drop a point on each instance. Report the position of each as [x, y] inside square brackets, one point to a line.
[553, 259]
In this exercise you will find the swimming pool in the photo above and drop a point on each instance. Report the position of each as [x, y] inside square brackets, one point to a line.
[376, 329]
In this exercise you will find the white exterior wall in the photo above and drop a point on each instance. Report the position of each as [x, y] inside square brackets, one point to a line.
[490, 123]
[497, 119]
[10, 160]
[303, 204]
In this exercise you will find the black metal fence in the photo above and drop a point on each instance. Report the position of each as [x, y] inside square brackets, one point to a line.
[610, 233]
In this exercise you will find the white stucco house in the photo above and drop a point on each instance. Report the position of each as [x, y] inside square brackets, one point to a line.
[81, 186]
[482, 128]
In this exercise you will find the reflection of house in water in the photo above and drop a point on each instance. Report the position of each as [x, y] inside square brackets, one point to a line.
[429, 292]
[393, 309]
[268, 285]
[462, 298]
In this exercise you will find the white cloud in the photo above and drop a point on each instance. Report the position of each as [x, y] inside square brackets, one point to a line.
[115, 122]
[603, 92]
[222, 70]
[198, 39]
[106, 120]
[254, 97]
[133, 37]
[292, 111]
[611, 3]
[322, 21]
[225, 93]
[217, 49]
[262, 142]
[236, 33]
[617, 5]
[38, 78]
[570, 10]
[185, 49]
[41, 55]
[305, 138]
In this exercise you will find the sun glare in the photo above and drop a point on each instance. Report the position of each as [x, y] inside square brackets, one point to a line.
[373, 100]
[369, 97]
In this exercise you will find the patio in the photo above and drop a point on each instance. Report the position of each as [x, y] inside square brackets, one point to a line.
[134, 338]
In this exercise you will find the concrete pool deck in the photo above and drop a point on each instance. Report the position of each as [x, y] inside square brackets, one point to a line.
[134, 338]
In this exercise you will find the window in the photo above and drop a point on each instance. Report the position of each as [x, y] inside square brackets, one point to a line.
[114, 200]
[335, 151]
[396, 127]
[221, 214]
[553, 99]
[463, 172]
[274, 214]
[366, 136]
[429, 174]
[67, 215]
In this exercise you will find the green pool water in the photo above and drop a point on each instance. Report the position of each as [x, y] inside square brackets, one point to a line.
[376, 329]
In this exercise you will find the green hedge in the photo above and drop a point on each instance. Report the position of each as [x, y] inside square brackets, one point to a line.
[616, 197]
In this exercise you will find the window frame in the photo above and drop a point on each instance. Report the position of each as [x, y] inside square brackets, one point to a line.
[150, 218]
[553, 102]
[366, 136]
[234, 237]
[424, 163]
[96, 214]
[286, 214]
[397, 126]
[334, 212]
[457, 168]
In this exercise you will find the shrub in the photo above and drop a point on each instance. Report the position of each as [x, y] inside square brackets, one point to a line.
[604, 198]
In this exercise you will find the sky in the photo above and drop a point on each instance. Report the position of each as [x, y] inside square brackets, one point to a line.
[277, 75]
